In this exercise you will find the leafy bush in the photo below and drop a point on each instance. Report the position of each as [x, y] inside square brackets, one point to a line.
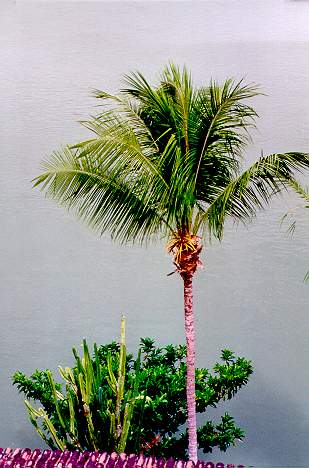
[154, 391]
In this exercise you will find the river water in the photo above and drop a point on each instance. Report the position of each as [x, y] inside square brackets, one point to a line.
[60, 283]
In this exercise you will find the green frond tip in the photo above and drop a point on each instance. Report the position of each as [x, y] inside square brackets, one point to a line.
[167, 158]
[253, 190]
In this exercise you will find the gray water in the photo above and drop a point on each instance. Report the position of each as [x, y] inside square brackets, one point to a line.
[60, 283]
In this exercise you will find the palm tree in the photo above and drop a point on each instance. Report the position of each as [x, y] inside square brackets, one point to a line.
[165, 162]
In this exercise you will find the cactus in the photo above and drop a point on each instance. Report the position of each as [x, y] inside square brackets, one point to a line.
[79, 386]
[75, 409]
[120, 420]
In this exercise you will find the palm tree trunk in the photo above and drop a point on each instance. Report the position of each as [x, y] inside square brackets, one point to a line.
[190, 339]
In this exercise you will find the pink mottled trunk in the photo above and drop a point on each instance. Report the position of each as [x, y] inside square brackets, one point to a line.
[190, 339]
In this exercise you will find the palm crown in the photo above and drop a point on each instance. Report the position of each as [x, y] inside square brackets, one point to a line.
[166, 160]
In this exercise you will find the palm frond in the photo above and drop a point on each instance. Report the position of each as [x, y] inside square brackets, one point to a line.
[252, 190]
[128, 110]
[106, 202]
[117, 143]
[165, 109]
[220, 124]
[302, 191]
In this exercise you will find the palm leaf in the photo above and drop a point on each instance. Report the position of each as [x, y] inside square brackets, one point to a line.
[105, 202]
[219, 127]
[252, 190]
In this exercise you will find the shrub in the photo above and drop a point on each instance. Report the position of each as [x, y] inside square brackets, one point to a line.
[152, 399]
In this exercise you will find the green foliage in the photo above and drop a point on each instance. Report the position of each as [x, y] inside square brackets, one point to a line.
[168, 158]
[83, 412]
[303, 193]
[69, 418]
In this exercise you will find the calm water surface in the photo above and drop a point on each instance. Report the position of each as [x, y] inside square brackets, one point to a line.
[60, 283]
